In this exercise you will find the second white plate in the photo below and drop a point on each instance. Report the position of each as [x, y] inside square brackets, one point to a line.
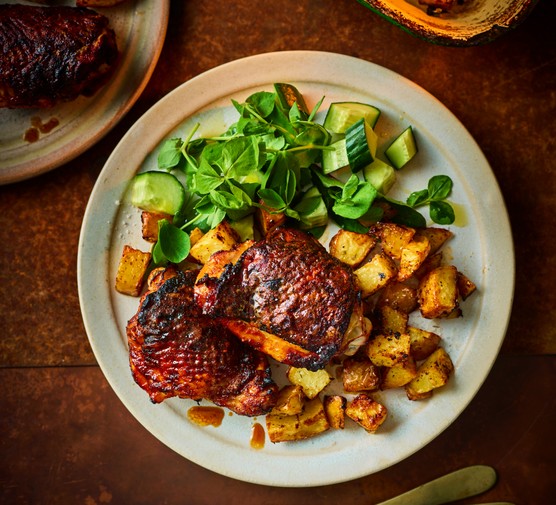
[140, 27]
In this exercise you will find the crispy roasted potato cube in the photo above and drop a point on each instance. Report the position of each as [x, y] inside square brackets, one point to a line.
[389, 349]
[221, 238]
[310, 422]
[392, 320]
[433, 261]
[438, 293]
[195, 235]
[290, 401]
[399, 375]
[366, 412]
[393, 237]
[335, 410]
[312, 383]
[436, 237]
[433, 373]
[149, 224]
[375, 274]
[465, 286]
[350, 247]
[267, 220]
[132, 270]
[359, 374]
[412, 257]
[399, 296]
[423, 342]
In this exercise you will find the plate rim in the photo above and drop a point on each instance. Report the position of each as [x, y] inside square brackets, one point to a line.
[107, 186]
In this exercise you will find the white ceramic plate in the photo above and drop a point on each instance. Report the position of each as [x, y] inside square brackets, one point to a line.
[482, 248]
[140, 27]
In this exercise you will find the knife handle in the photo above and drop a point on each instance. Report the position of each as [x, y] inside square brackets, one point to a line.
[463, 483]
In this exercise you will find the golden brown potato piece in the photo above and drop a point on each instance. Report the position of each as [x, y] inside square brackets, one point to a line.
[290, 401]
[433, 261]
[359, 374]
[366, 412]
[423, 342]
[312, 383]
[392, 320]
[393, 237]
[222, 237]
[436, 237]
[465, 286]
[375, 274]
[399, 296]
[438, 293]
[399, 375]
[149, 224]
[432, 374]
[310, 422]
[132, 270]
[335, 410]
[389, 349]
[412, 257]
[195, 235]
[350, 247]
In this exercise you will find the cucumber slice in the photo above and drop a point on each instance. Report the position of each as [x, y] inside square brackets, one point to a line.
[361, 144]
[381, 175]
[402, 149]
[335, 159]
[157, 192]
[341, 115]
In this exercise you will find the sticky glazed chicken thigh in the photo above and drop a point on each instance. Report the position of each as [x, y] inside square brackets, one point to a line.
[53, 54]
[286, 296]
[175, 350]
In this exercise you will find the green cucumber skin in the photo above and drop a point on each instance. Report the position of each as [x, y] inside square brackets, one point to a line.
[342, 115]
[402, 149]
[359, 152]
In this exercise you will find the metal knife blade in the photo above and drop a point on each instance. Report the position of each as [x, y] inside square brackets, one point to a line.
[469, 481]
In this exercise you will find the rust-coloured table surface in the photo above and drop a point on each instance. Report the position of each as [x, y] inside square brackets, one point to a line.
[67, 438]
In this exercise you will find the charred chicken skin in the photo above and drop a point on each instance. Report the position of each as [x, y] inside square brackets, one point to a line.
[285, 295]
[175, 350]
[52, 54]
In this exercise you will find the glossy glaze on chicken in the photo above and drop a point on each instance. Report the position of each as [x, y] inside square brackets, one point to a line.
[175, 350]
[287, 296]
[52, 54]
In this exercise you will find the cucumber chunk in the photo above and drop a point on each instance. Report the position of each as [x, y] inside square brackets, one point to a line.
[361, 144]
[341, 115]
[335, 159]
[381, 175]
[157, 192]
[402, 149]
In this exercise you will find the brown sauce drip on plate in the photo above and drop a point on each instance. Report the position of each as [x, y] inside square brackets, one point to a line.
[37, 127]
[257, 436]
[206, 416]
